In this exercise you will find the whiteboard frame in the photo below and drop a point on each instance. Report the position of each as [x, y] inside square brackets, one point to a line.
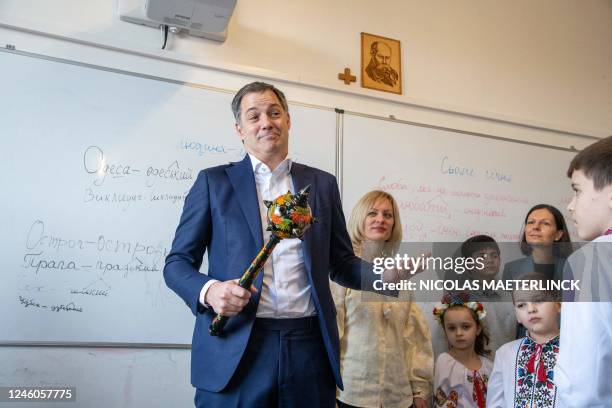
[100, 344]
[464, 132]
[10, 49]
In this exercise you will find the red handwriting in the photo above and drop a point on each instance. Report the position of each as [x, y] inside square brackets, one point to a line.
[481, 212]
[473, 233]
[466, 194]
[386, 185]
[431, 207]
[415, 227]
[509, 236]
[446, 231]
[508, 198]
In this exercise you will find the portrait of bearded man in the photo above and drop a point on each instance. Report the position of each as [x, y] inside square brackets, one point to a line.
[379, 68]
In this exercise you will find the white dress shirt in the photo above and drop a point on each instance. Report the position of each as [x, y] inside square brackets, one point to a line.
[285, 292]
[584, 365]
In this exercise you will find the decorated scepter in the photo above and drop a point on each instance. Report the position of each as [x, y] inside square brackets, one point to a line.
[289, 216]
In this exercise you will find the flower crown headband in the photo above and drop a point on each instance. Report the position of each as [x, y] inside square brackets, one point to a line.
[458, 299]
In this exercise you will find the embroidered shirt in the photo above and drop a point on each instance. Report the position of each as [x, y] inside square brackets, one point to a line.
[386, 357]
[534, 373]
[457, 386]
[522, 375]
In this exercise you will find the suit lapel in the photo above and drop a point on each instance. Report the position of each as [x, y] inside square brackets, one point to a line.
[243, 181]
[301, 178]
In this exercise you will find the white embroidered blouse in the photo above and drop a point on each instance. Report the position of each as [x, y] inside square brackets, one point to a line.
[457, 386]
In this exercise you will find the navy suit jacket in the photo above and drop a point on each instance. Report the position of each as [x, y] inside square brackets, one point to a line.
[221, 216]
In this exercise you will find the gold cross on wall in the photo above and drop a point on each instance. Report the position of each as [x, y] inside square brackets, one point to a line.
[347, 77]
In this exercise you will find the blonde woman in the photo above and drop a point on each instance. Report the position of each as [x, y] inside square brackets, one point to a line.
[386, 355]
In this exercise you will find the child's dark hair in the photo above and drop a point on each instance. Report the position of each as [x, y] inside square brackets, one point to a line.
[477, 243]
[546, 295]
[595, 161]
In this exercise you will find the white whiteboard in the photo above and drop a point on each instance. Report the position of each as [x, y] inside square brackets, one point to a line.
[449, 185]
[95, 169]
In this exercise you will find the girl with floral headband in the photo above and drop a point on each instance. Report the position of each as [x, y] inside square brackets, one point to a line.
[461, 375]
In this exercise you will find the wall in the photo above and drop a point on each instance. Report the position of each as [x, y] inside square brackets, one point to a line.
[528, 66]
[544, 63]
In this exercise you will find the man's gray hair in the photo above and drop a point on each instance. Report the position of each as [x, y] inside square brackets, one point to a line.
[256, 87]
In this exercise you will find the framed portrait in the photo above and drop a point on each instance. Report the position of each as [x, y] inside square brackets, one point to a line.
[381, 63]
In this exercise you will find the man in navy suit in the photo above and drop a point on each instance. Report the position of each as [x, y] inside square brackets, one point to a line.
[280, 347]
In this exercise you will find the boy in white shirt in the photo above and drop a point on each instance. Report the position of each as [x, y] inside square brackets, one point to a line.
[523, 370]
[584, 367]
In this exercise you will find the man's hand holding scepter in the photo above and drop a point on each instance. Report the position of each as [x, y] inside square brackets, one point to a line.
[289, 216]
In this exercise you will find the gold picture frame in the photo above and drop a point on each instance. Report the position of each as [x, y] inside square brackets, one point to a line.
[381, 63]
